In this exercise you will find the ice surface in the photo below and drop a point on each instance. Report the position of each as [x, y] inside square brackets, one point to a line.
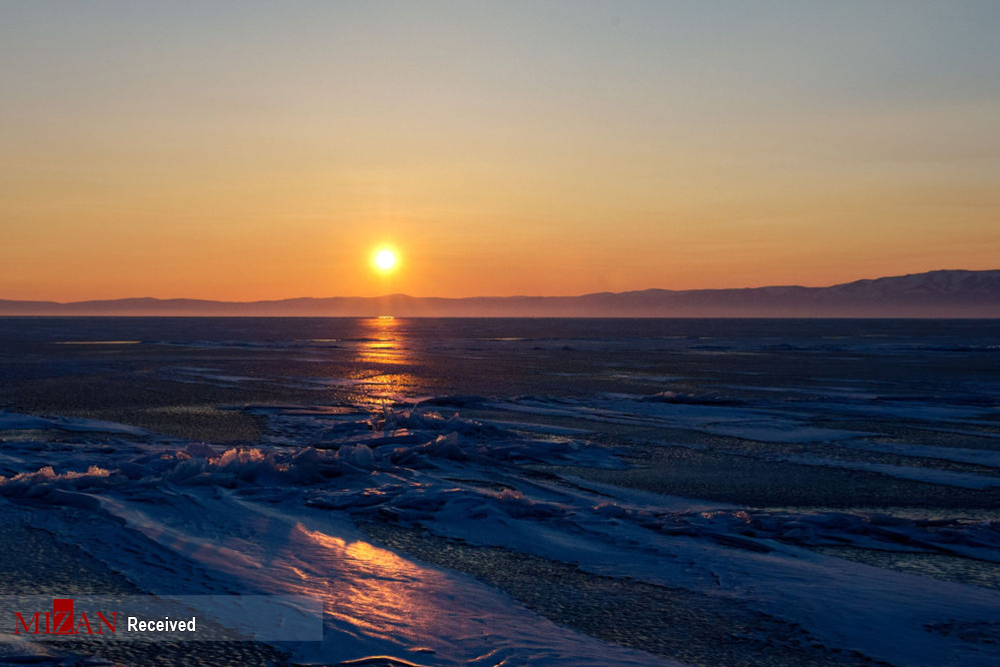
[10, 421]
[279, 517]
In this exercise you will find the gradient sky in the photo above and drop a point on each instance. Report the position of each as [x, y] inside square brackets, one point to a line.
[254, 150]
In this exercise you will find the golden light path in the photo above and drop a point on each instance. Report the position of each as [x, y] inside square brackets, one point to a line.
[383, 347]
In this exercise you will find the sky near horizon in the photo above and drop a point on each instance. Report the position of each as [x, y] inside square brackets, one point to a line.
[259, 150]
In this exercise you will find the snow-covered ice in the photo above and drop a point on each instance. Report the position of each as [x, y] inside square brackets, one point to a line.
[278, 519]
[286, 512]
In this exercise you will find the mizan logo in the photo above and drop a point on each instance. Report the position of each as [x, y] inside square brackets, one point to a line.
[62, 621]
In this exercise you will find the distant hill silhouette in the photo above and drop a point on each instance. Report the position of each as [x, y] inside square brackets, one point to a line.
[949, 293]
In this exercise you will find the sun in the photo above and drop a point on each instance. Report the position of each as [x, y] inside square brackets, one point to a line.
[385, 260]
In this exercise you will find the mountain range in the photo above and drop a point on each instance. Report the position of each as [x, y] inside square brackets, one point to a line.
[945, 293]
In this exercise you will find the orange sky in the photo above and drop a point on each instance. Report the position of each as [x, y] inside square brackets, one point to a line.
[259, 151]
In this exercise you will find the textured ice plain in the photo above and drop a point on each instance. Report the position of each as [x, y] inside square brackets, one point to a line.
[176, 516]
[240, 520]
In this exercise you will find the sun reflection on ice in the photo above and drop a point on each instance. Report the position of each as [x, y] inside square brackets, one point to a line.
[382, 341]
[383, 345]
[384, 594]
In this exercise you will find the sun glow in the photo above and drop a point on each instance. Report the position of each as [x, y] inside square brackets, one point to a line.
[385, 260]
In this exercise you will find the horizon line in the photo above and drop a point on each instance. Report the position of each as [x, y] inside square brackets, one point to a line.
[485, 296]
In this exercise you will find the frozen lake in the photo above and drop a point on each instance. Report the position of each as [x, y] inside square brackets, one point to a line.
[545, 492]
